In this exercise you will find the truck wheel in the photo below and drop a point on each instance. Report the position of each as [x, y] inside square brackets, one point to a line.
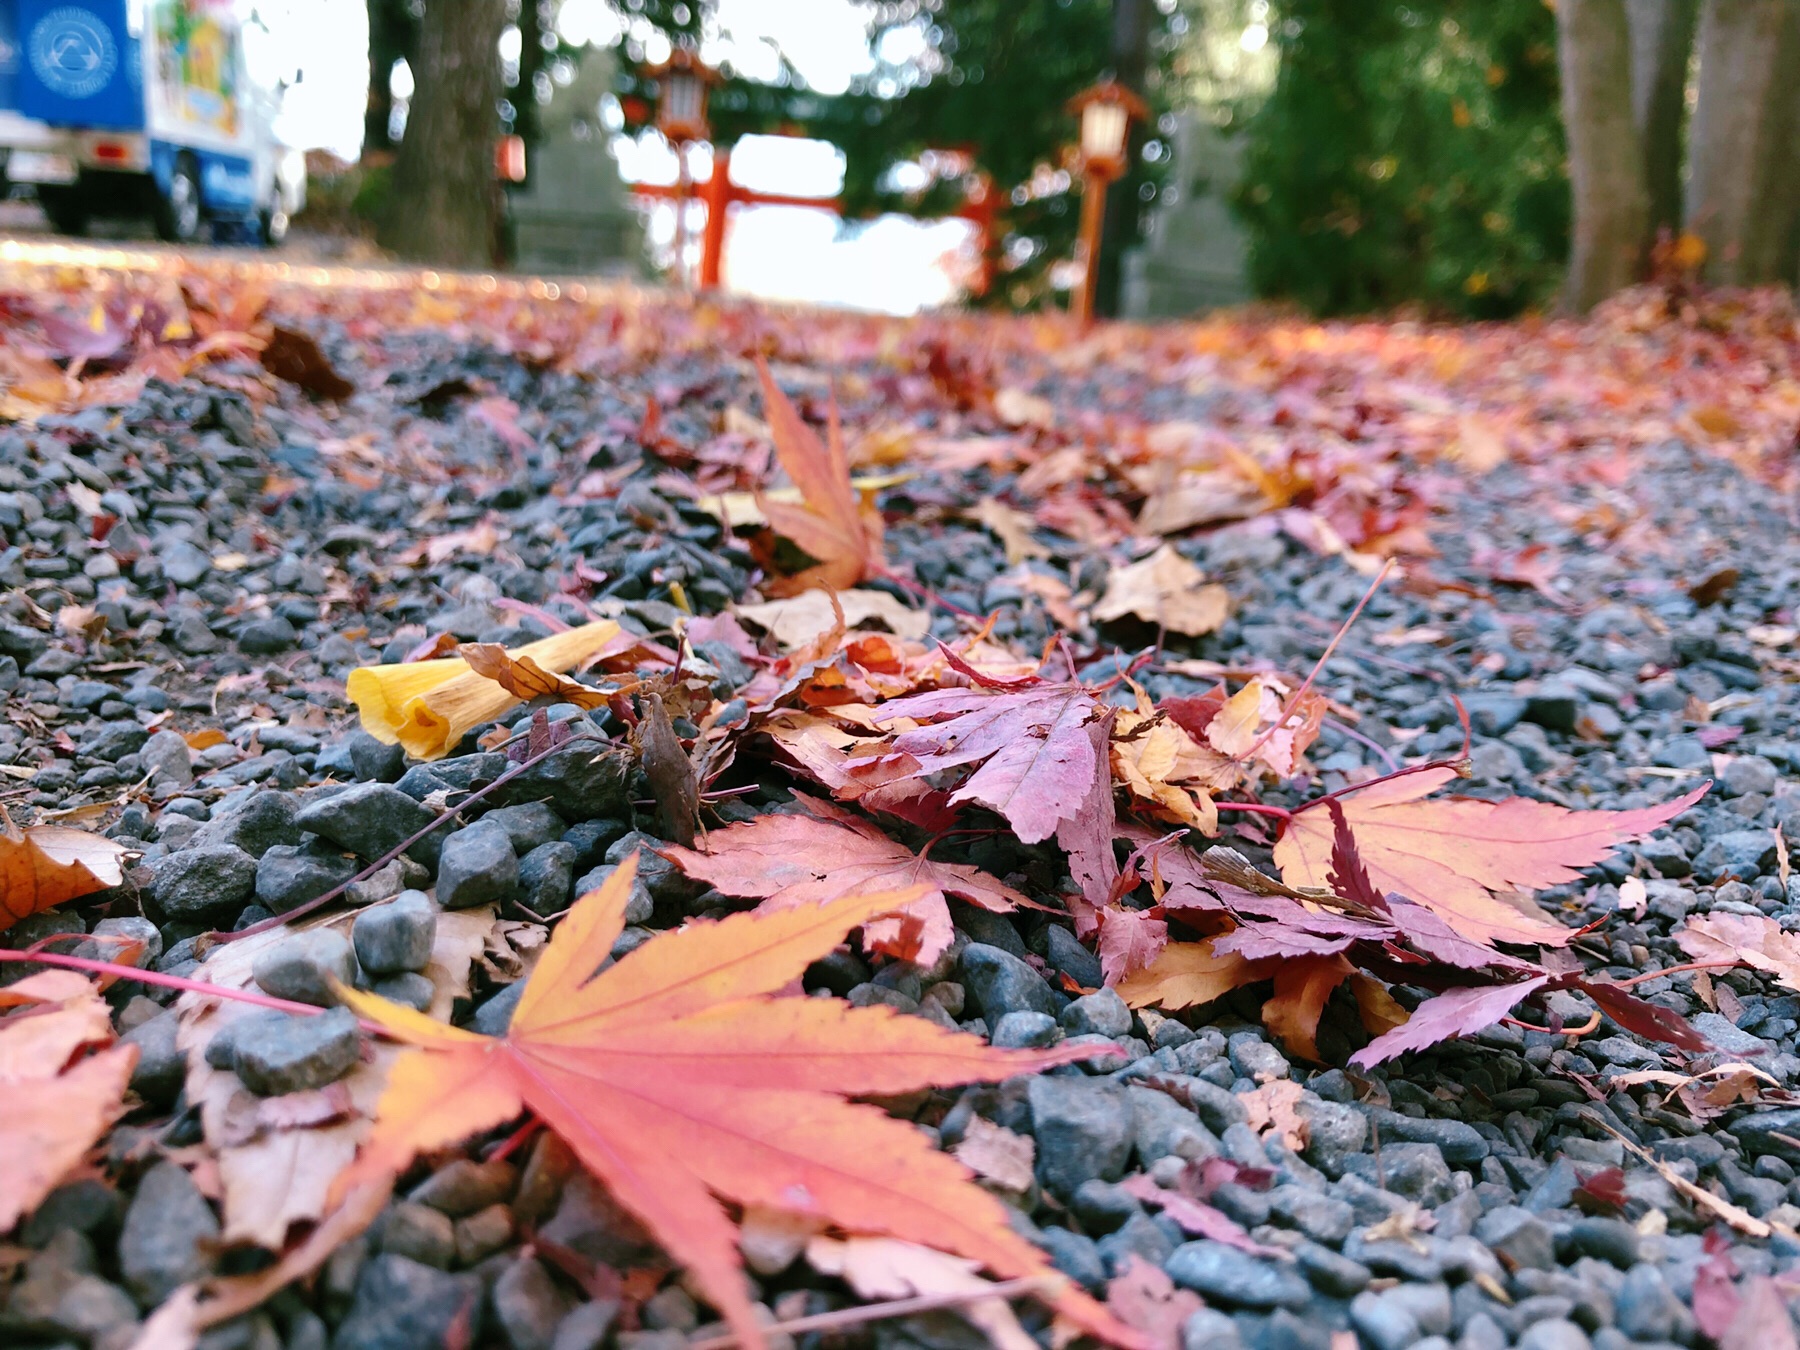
[177, 212]
[67, 213]
[274, 221]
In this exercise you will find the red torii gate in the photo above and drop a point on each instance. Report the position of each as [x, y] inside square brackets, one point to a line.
[719, 194]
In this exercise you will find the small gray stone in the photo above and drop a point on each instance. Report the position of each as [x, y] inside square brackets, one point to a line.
[1518, 1237]
[169, 1234]
[529, 824]
[1460, 1143]
[999, 982]
[1330, 1272]
[1139, 1237]
[1023, 1031]
[286, 1053]
[303, 967]
[167, 759]
[408, 988]
[371, 820]
[546, 875]
[1102, 1013]
[1075, 1255]
[1223, 1274]
[183, 563]
[1210, 1329]
[1417, 1171]
[1383, 1323]
[1611, 1240]
[289, 875]
[1083, 1129]
[1255, 1058]
[1646, 1309]
[403, 1305]
[1321, 1217]
[203, 883]
[1162, 1127]
[254, 822]
[90, 1308]
[132, 929]
[463, 1187]
[528, 1305]
[359, 756]
[1724, 1034]
[267, 637]
[1064, 952]
[1555, 1333]
[586, 1327]
[161, 1067]
[477, 867]
[420, 1233]
[1217, 1108]
[396, 936]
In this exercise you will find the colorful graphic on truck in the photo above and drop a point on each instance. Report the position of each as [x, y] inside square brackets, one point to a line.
[77, 65]
[197, 64]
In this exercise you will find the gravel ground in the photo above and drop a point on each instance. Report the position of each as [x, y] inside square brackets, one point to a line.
[259, 550]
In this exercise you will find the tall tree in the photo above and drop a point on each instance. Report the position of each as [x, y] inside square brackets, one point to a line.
[1742, 199]
[393, 37]
[1662, 42]
[444, 199]
[1606, 162]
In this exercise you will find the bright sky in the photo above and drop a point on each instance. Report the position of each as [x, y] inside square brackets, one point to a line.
[775, 252]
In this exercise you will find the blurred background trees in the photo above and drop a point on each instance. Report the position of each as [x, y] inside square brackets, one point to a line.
[1471, 157]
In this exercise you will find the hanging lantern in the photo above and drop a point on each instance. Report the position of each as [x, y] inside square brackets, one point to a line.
[683, 82]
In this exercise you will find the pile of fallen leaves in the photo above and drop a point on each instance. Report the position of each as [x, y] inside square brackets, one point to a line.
[681, 1075]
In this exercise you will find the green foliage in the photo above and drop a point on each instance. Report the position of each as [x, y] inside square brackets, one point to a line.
[1409, 152]
[994, 82]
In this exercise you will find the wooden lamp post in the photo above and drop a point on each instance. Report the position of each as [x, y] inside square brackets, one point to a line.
[1107, 111]
[683, 82]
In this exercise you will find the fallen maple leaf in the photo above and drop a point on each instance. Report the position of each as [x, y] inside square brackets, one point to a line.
[295, 357]
[1142, 1296]
[1756, 940]
[1033, 758]
[832, 525]
[1455, 1012]
[676, 1077]
[1187, 974]
[60, 1100]
[884, 1268]
[44, 865]
[1011, 527]
[1301, 989]
[1454, 855]
[800, 618]
[1274, 1108]
[524, 678]
[824, 853]
[1167, 590]
[997, 1155]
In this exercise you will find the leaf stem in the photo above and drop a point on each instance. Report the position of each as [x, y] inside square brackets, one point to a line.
[1258, 809]
[876, 1312]
[1458, 765]
[157, 977]
[1293, 702]
[926, 593]
[1674, 970]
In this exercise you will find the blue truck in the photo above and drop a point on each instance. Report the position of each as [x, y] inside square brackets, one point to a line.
[135, 107]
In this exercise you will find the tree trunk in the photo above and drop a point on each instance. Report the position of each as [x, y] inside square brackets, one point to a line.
[1662, 40]
[444, 195]
[1741, 196]
[1606, 165]
[1119, 230]
[393, 36]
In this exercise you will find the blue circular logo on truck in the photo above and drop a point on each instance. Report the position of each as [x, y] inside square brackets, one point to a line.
[73, 52]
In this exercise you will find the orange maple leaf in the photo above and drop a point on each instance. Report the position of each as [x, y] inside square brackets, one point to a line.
[59, 1099]
[45, 865]
[1454, 855]
[678, 1080]
[833, 526]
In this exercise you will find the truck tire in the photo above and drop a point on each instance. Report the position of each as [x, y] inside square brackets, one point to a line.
[177, 212]
[67, 212]
[274, 223]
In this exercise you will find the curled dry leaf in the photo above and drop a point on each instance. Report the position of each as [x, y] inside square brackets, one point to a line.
[1142, 1296]
[670, 772]
[1274, 1108]
[1167, 590]
[429, 706]
[1187, 974]
[747, 1100]
[1011, 527]
[295, 357]
[1455, 1012]
[885, 1269]
[44, 865]
[997, 1155]
[833, 526]
[524, 678]
[800, 619]
[1457, 856]
[64, 1083]
[824, 853]
[1753, 939]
